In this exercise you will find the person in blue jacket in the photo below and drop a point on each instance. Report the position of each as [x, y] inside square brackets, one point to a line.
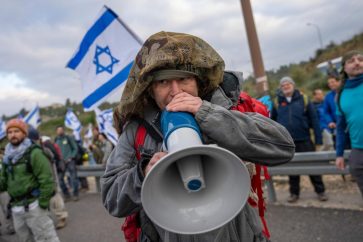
[350, 115]
[329, 102]
[294, 111]
[318, 102]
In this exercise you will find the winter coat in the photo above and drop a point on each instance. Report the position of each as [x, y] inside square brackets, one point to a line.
[319, 107]
[330, 107]
[297, 117]
[250, 136]
[26, 183]
[68, 146]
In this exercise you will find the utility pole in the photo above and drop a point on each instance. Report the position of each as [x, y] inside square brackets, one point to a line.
[319, 33]
[256, 57]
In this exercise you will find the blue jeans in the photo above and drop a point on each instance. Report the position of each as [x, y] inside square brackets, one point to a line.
[72, 170]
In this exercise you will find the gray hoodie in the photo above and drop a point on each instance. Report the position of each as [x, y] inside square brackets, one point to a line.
[250, 136]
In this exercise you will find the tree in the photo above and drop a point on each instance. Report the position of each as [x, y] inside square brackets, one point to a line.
[68, 103]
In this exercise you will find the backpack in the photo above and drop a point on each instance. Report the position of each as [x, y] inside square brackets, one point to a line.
[131, 226]
[248, 104]
[245, 103]
[80, 151]
[54, 153]
[80, 154]
[242, 103]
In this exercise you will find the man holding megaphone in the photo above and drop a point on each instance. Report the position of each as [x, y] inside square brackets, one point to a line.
[156, 178]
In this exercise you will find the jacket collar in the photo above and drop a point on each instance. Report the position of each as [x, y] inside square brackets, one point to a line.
[294, 96]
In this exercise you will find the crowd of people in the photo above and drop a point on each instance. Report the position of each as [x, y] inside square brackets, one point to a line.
[179, 73]
[336, 122]
[38, 175]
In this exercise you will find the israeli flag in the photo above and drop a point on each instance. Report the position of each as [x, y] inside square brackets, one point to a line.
[105, 124]
[71, 121]
[104, 57]
[2, 129]
[89, 134]
[33, 117]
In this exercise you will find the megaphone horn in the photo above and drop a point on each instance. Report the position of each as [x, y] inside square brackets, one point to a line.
[195, 188]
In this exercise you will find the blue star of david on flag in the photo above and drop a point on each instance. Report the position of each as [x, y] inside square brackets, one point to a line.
[101, 71]
[99, 67]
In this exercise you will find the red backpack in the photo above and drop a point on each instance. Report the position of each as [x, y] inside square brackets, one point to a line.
[246, 103]
[131, 226]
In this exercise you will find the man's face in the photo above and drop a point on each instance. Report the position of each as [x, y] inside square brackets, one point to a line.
[287, 89]
[354, 66]
[164, 91]
[333, 84]
[15, 136]
[318, 96]
[60, 131]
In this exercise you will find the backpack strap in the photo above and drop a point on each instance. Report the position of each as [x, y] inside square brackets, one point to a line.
[27, 157]
[306, 101]
[132, 226]
[139, 140]
[339, 94]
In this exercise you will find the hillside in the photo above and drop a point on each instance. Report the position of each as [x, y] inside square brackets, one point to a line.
[305, 74]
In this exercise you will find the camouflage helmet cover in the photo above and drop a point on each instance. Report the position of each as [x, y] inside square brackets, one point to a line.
[168, 50]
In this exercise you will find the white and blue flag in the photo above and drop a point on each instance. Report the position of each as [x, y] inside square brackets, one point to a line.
[2, 129]
[105, 124]
[71, 121]
[33, 117]
[88, 134]
[104, 57]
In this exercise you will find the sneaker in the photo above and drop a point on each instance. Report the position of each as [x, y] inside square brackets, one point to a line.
[293, 198]
[322, 197]
[75, 198]
[61, 224]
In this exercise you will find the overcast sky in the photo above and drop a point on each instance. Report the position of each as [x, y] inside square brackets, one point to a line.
[39, 37]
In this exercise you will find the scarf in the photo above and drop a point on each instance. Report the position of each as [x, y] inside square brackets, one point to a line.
[15, 153]
[354, 82]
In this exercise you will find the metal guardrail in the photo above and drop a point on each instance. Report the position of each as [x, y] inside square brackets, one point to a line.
[94, 170]
[304, 163]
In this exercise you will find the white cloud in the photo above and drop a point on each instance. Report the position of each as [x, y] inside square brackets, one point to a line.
[36, 44]
[12, 87]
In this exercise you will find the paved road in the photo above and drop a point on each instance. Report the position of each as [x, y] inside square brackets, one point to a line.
[89, 222]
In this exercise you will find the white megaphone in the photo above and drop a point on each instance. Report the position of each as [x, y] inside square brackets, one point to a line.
[195, 188]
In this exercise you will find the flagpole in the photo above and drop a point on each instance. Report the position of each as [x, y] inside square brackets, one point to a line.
[133, 34]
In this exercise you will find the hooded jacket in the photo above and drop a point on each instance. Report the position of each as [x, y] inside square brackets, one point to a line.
[250, 136]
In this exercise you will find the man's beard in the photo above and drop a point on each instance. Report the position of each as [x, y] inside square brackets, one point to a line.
[16, 141]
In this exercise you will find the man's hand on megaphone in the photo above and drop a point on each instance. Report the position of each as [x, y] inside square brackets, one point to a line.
[184, 102]
[156, 157]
